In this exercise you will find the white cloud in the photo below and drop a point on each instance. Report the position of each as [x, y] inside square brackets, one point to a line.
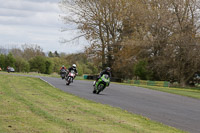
[31, 5]
[28, 12]
[35, 22]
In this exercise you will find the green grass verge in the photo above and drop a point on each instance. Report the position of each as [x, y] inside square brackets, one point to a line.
[31, 105]
[33, 73]
[55, 75]
[189, 92]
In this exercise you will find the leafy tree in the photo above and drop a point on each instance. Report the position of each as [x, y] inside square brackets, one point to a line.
[80, 69]
[50, 54]
[83, 64]
[2, 61]
[9, 60]
[38, 64]
[57, 62]
[79, 57]
[21, 65]
[92, 67]
[56, 54]
[49, 66]
[141, 70]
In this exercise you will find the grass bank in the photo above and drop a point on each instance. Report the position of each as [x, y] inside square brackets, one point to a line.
[55, 75]
[33, 74]
[31, 105]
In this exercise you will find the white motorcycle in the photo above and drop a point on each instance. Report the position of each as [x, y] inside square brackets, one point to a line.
[70, 77]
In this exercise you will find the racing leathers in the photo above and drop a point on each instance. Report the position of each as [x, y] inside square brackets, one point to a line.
[72, 69]
[101, 74]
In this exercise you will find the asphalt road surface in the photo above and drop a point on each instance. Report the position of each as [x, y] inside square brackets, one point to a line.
[170, 109]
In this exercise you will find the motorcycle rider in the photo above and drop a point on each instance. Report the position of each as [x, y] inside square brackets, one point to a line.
[63, 67]
[105, 71]
[72, 69]
[63, 70]
[8, 69]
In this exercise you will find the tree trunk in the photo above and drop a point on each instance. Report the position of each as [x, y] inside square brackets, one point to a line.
[183, 82]
[103, 56]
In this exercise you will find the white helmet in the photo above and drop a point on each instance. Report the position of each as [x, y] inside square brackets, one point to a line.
[74, 65]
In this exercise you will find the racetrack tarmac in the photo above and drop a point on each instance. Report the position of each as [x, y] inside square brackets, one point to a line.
[170, 109]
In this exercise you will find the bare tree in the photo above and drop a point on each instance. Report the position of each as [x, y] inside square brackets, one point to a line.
[185, 39]
[17, 52]
[100, 22]
[30, 51]
[173, 38]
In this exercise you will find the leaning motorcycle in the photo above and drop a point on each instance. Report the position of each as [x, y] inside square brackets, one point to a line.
[63, 73]
[101, 84]
[70, 77]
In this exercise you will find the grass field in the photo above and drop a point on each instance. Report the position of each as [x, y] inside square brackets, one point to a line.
[31, 105]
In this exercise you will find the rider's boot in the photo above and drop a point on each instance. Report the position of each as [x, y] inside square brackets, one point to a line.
[94, 83]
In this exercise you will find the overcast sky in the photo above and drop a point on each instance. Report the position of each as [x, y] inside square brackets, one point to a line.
[36, 22]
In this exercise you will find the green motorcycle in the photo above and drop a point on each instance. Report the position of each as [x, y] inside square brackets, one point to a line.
[101, 84]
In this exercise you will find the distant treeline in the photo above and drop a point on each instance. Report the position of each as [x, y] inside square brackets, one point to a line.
[31, 58]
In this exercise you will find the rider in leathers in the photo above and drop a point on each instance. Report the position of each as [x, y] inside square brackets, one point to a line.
[105, 71]
[72, 69]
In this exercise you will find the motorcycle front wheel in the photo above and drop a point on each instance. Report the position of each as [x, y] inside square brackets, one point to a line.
[68, 81]
[100, 87]
[94, 91]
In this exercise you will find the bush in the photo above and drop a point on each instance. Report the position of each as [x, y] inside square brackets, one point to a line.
[2, 61]
[21, 65]
[9, 60]
[38, 64]
[141, 70]
[49, 67]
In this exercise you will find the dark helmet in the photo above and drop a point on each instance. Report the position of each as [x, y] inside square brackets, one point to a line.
[108, 68]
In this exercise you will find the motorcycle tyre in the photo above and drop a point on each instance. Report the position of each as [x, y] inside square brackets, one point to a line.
[94, 91]
[67, 83]
[99, 90]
